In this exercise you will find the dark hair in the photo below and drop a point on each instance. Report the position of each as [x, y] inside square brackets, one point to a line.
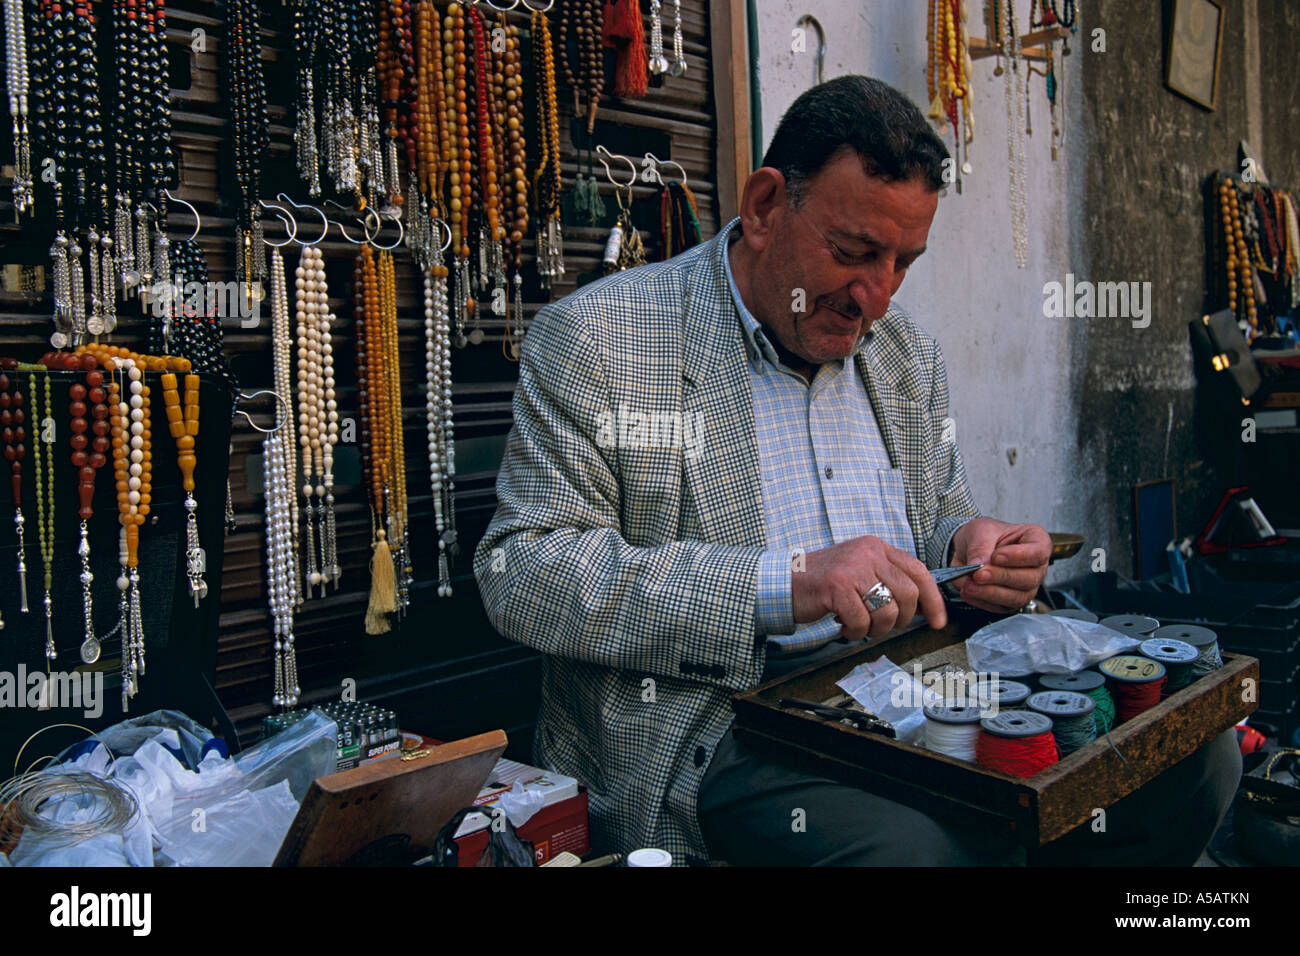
[880, 124]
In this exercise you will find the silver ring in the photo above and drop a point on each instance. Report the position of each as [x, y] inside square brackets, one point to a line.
[878, 596]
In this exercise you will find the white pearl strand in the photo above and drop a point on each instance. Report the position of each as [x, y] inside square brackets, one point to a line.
[1017, 86]
[278, 492]
[327, 411]
[309, 384]
[281, 356]
[17, 83]
[130, 408]
[438, 413]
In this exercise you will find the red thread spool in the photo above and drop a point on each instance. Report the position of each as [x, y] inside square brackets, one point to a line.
[1135, 683]
[1017, 742]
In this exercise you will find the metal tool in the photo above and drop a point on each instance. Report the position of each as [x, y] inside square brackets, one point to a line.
[860, 720]
[944, 575]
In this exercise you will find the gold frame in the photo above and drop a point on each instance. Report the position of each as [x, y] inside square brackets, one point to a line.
[1171, 82]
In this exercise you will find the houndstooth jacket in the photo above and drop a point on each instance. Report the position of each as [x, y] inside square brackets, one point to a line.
[631, 562]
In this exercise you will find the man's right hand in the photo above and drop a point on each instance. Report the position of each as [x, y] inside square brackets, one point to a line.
[834, 579]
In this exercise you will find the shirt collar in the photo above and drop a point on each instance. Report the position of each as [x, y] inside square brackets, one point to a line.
[757, 344]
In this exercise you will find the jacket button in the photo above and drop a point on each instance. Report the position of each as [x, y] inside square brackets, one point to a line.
[700, 756]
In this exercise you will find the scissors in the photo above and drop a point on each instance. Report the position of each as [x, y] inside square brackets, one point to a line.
[944, 575]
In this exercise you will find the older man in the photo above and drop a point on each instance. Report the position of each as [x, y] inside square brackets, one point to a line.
[661, 576]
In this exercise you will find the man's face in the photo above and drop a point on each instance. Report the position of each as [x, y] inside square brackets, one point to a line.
[848, 247]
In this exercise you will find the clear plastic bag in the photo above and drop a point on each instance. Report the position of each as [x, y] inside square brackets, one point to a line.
[887, 691]
[1043, 644]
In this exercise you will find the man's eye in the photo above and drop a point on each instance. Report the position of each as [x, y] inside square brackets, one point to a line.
[849, 256]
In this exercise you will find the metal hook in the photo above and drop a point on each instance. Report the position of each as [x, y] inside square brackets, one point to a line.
[195, 234]
[545, 9]
[667, 162]
[821, 43]
[502, 9]
[325, 221]
[603, 152]
[264, 391]
[342, 208]
[286, 217]
[401, 234]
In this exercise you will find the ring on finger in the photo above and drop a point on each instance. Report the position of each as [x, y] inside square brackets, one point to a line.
[878, 596]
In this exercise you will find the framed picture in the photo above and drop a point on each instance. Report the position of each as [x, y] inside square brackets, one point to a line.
[1192, 50]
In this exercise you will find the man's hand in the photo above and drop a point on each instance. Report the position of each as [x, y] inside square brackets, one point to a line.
[1014, 556]
[834, 580]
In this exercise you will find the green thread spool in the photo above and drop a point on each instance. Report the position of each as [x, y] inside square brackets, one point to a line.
[1090, 684]
[1073, 724]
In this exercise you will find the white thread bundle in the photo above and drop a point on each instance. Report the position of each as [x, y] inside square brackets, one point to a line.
[952, 740]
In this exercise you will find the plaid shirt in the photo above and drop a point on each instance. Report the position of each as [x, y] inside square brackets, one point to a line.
[629, 554]
[823, 483]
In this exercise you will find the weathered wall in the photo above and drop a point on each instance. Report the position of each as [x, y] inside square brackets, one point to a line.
[1091, 406]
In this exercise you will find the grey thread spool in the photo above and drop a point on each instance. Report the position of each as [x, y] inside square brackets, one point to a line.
[1073, 725]
[952, 729]
[1203, 639]
[1093, 686]
[1077, 613]
[1178, 658]
[1007, 694]
[1134, 625]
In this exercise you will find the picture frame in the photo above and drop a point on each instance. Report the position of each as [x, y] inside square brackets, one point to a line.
[1192, 49]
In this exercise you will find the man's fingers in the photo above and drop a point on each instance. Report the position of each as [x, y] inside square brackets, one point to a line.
[1016, 579]
[929, 600]
[1020, 555]
[854, 618]
[994, 598]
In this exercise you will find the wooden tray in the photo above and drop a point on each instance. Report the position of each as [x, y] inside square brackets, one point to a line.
[1035, 810]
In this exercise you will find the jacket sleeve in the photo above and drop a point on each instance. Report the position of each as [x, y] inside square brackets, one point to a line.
[554, 569]
[954, 503]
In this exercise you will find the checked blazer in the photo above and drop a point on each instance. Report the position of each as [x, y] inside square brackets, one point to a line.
[634, 569]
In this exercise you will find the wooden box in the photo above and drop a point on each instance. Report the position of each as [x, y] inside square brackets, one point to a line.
[1035, 810]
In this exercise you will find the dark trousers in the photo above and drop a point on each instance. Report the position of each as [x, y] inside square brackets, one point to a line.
[754, 812]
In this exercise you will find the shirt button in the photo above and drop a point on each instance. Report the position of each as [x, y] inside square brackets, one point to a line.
[830, 472]
[700, 756]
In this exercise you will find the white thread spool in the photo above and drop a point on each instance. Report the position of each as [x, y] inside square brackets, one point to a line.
[952, 730]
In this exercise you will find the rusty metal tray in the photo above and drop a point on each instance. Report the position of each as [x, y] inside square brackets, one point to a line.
[1035, 810]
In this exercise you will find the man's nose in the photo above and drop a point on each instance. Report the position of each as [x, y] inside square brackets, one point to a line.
[872, 293]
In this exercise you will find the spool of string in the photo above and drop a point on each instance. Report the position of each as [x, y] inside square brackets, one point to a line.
[1203, 639]
[1092, 685]
[1178, 658]
[1134, 625]
[1016, 742]
[1071, 715]
[1135, 684]
[952, 730]
[1007, 694]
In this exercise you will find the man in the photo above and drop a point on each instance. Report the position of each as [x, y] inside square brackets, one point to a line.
[798, 500]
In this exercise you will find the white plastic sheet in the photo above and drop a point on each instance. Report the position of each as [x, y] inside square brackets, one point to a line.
[1044, 644]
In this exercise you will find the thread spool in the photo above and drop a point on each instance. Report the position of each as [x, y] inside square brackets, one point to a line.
[1018, 742]
[1178, 658]
[952, 729]
[1077, 613]
[1203, 639]
[1021, 677]
[1006, 694]
[1135, 684]
[1093, 686]
[1134, 625]
[1071, 713]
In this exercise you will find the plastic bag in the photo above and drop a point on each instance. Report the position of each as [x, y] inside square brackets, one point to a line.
[245, 829]
[1043, 644]
[887, 691]
[520, 803]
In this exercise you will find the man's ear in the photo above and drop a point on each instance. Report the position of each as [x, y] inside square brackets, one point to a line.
[762, 205]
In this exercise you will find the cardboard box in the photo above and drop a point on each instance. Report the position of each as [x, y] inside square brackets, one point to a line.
[561, 824]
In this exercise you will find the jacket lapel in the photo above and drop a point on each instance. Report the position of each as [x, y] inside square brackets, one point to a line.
[723, 479]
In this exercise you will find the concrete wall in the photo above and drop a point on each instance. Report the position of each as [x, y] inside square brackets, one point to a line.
[1090, 406]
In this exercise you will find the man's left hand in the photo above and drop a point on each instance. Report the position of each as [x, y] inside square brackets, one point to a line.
[1015, 558]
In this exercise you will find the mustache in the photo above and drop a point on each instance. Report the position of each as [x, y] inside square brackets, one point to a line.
[849, 308]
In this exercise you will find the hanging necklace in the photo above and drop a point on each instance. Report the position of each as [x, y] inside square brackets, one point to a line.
[462, 188]
[398, 512]
[17, 77]
[250, 134]
[1016, 87]
[490, 235]
[278, 494]
[438, 415]
[183, 424]
[372, 381]
[281, 356]
[45, 510]
[1240, 270]
[658, 62]
[679, 58]
[546, 179]
[517, 185]
[12, 418]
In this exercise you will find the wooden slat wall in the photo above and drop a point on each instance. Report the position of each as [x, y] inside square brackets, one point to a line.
[445, 669]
